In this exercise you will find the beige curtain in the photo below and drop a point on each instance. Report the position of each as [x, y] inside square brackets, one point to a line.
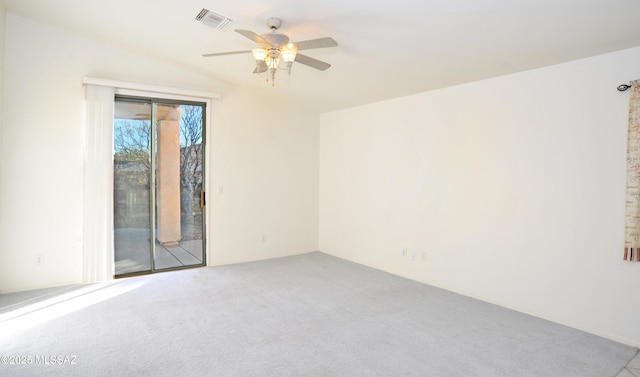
[632, 210]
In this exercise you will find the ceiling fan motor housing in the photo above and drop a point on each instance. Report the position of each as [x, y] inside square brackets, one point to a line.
[276, 40]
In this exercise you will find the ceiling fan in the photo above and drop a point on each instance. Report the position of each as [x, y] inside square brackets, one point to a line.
[276, 52]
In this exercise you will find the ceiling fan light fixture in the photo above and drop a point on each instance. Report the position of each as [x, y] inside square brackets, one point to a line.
[272, 62]
[259, 54]
[288, 55]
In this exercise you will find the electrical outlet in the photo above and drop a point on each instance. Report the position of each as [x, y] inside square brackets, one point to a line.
[424, 257]
[264, 237]
[413, 255]
[404, 251]
[39, 259]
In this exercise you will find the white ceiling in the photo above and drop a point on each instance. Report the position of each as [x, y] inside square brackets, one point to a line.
[386, 49]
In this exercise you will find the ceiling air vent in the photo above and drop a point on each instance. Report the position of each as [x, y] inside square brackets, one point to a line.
[213, 19]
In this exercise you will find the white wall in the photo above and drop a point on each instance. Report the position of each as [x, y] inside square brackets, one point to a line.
[269, 181]
[513, 187]
[265, 157]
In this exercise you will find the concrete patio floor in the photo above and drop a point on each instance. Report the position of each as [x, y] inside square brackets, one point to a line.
[133, 252]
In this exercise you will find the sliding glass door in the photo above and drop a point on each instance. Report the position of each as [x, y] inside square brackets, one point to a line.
[158, 185]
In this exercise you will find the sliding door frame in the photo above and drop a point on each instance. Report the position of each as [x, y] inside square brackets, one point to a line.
[153, 135]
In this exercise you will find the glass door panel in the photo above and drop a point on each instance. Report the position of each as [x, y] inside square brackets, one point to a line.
[131, 187]
[178, 172]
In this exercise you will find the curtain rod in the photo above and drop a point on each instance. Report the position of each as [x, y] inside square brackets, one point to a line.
[623, 87]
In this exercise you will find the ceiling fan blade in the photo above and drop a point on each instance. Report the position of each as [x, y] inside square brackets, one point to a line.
[262, 67]
[316, 43]
[226, 53]
[311, 62]
[254, 37]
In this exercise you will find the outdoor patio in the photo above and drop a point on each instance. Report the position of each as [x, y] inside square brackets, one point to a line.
[133, 254]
